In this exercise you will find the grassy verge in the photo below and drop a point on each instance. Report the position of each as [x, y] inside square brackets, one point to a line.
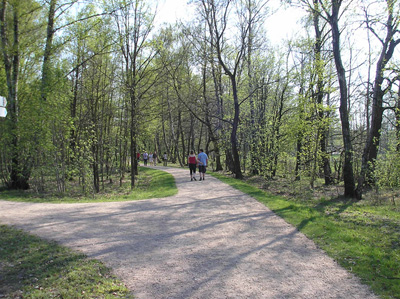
[150, 183]
[363, 238]
[33, 268]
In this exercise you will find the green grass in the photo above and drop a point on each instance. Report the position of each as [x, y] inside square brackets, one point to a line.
[362, 237]
[150, 183]
[33, 268]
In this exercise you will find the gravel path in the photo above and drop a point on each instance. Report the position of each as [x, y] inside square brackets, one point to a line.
[208, 241]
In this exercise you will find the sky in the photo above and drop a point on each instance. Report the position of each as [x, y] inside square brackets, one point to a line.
[280, 25]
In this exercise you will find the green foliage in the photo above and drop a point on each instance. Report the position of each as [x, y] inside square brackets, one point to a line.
[33, 268]
[114, 85]
[387, 170]
[362, 237]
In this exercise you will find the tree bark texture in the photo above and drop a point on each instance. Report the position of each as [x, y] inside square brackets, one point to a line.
[46, 73]
[348, 175]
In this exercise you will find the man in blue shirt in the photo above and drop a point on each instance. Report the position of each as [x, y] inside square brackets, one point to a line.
[203, 161]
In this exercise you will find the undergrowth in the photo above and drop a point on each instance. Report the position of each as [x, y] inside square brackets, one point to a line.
[150, 183]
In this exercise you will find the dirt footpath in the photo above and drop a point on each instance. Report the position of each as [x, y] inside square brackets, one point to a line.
[208, 241]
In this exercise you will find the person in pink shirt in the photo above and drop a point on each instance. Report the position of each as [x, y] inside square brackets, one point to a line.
[192, 161]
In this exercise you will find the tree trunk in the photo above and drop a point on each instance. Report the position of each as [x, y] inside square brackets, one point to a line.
[371, 146]
[298, 159]
[397, 114]
[166, 141]
[217, 28]
[348, 175]
[235, 150]
[253, 127]
[182, 135]
[277, 126]
[20, 172]
[48, 51]
[320, 95]
[133, 138]
[220, 112]
[230, 165]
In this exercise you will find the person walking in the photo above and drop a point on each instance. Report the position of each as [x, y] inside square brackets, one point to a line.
[192, 161]
[145, 158]
[165, 158]
[151, 158]
[155, 158]
[203, 161]
[138, 158]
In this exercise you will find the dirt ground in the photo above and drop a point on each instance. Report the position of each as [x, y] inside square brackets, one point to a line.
[208, 241]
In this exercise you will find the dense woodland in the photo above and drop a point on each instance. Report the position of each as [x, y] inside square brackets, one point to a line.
[91, 83]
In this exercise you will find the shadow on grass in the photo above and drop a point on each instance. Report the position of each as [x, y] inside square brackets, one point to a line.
[341, 203]
[31, 267]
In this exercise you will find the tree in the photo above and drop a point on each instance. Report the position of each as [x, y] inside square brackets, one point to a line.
[388, 45]
[253, 16]
[331, 14]
[134, 24]
[320, 93]
[46, 67]
[216, 15]
[397, 117]
[10, 11]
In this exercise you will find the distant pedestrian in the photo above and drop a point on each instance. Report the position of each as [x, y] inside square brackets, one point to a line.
[155, 158]
[151, 158]
[165, 159]
[192, 161]
[203, 161]
[145, 158]
[138, 157]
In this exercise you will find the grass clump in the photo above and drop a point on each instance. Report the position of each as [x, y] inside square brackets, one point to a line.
[150, 183]
[361, 236]
[34, 268]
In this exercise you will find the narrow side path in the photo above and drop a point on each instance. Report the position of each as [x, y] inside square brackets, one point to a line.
[208, 241]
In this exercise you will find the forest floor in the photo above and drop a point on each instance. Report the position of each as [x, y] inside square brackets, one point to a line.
[208, 241]
[302, 190]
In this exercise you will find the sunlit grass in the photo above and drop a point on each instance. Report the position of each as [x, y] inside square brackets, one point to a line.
[150, 183]
[362, 237]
